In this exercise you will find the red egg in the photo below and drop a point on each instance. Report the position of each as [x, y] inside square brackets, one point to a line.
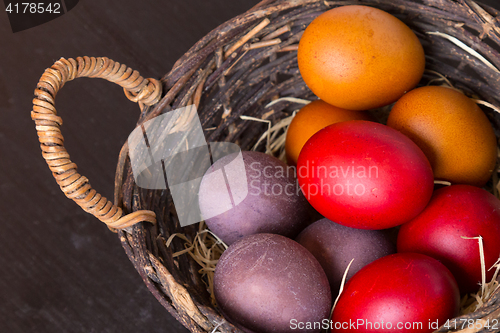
[454, 212]
[403, 292]
[365, 175]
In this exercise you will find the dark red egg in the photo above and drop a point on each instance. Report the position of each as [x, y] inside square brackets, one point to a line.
[365, 175]
[403, 292]
[455, 212]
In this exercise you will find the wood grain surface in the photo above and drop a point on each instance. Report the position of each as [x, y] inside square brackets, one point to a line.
[61, 270]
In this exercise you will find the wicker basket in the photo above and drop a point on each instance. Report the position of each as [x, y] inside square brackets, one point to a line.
[237, 69]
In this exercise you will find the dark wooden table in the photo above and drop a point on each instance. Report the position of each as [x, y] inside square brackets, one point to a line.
[61, 270]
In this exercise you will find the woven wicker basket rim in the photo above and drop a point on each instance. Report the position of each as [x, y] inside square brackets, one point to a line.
[227, 75]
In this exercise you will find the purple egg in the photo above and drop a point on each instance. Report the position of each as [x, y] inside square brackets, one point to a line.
[269, 283]
[254, 194]
[335, 245]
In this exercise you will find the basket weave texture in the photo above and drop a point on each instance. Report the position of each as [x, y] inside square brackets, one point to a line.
[238, 69]
[241, 66]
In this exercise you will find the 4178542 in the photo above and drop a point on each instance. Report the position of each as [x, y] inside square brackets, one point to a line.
[477, 324]
[33, 8]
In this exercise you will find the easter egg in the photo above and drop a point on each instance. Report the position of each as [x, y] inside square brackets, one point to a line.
[256, 193]
[335, 245]
[364, 175]
[454, 214]
[359, 57]
[403, 292]
[451, 130]
[268, 283]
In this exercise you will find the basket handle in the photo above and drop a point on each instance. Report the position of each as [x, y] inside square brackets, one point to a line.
[48, 123]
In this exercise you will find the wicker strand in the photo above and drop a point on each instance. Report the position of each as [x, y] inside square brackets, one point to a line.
[179, 295]
[74, 185]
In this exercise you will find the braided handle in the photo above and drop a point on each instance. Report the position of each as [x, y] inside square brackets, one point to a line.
[48, 123]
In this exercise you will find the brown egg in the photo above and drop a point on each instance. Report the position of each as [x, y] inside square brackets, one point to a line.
[359, 57]
[312, 118]
[451, 130]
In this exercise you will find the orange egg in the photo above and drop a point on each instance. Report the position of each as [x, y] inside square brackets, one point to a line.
[312, 118]
[359, 57]
[451, 130]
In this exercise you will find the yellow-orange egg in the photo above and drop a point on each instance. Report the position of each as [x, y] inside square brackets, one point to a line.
[359, 57]
[312, 118]
[452, 131]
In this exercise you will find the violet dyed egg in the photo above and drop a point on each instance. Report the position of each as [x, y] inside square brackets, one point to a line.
[261, 195]
[335, 245]
[269, 283]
